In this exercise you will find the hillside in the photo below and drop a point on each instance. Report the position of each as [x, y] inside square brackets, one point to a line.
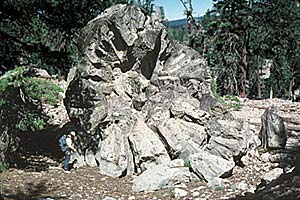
[179, 22]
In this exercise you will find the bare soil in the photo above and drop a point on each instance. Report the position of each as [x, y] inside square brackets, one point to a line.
[41, 177]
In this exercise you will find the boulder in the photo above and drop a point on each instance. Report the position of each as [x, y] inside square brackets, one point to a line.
[273, 174]
[141, 101]
[272, 134]
[114, 155]
[207, 166]
[230, 138]
[184, 138]
[166, 175]
[146, 147]
[180, 193]
[123, 90]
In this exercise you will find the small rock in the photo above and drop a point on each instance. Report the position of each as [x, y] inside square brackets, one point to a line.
[265, 157]
[251, 189]
[109, 198]
[47, 198]
[242, 185]
[267, 167]
[181, 185]
[131, 198]
[256, 168]
[195, 194]
[178, 193]
[176, 163]
[200, 187]
[273, 174]
[215, 183]
[200, 199]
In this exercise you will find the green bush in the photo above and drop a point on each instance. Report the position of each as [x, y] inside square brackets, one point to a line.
[187, 163]
[21, 114]
[135, 84]
[31, 122]
[42, 90]
[13, 78]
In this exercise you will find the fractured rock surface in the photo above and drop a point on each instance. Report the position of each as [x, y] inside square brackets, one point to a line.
[137, 99]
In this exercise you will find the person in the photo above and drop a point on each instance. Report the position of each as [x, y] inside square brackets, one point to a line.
[69, 149]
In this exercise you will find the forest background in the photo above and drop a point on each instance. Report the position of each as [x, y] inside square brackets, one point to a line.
[251, 46]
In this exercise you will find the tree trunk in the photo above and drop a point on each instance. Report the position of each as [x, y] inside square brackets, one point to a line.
[259, 83]
[244, 66]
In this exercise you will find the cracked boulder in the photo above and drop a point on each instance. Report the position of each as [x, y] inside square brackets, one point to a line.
[134, 93]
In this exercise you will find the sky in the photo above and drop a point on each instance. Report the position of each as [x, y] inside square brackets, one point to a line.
[175, 10]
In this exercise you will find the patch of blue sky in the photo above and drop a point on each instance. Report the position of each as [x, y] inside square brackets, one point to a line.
[175, 10]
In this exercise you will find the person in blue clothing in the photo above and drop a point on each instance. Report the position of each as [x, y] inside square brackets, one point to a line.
[67, 147]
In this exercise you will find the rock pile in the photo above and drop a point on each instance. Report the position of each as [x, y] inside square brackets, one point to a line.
[137, 101]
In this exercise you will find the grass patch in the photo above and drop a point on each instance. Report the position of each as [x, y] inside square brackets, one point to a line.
[227, 101]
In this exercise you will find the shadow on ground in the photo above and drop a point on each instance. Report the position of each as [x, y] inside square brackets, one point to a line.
[38, 150]
[286, 187]
[31, 191]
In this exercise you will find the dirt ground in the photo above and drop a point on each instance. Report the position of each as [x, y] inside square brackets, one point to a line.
[88, 183]
[42, 178]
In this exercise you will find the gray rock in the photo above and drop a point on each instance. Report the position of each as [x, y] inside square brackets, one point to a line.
[47, 198]
[193, 75]
[273, 134]
[57, 115]
[184, 138]
[90, 159]
[188, 108]
[123, 88]
[39, 73]
[230, 138]
[77, 160]
[147, 148]
[109, 198]
[179, 193]
[161, 176]
[215, 183]
[242, 186]
[273, 174]
[196, 194]
[114, 154]
[208, 166]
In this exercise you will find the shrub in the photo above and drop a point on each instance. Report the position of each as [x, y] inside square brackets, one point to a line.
[135, 84]
[187, 163]
[42, 90]
[14, 86]
[228, 101]
[31, 122]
